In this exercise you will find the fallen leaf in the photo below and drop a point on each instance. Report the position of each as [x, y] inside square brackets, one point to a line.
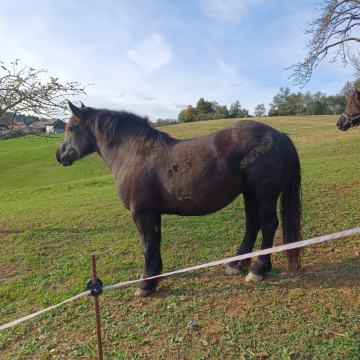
[262, 355]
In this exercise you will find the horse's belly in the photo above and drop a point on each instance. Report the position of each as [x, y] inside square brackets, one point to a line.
[200, 202]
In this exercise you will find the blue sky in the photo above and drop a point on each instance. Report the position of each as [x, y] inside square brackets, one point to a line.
[154, 57]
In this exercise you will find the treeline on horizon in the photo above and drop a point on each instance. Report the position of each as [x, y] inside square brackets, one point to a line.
[284, 103]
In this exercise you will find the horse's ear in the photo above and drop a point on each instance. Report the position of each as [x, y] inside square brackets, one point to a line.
[83, 107]
[79, 113]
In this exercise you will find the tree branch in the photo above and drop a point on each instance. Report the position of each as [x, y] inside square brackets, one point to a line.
[24, 90]
[332, 30]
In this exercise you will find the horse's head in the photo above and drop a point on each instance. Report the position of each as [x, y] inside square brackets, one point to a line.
[79, 140]
[351, 116]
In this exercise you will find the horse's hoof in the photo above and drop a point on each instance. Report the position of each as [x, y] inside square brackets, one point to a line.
[251, 277]
[143, 293]
[229, 270]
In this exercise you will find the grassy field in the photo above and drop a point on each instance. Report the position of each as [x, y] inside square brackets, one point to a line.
[52, 218]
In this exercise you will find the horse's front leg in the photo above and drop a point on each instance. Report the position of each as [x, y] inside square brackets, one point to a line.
[149, 226]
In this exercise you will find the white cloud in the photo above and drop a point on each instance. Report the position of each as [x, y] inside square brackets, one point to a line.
[151, 54]
[226, 10]
[248, 69]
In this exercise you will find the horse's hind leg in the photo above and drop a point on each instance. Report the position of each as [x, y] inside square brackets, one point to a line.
[149, 226]
[269, 223]
[252, 229]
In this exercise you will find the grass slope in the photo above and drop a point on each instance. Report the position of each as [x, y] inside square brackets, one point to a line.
[53, 218]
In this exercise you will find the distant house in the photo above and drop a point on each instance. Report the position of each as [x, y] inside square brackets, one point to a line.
[48, 127]
[56, 127]
[39, 125]
[19, 125]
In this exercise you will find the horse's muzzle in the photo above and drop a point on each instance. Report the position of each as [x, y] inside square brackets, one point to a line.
[63, 160]
[343, 123]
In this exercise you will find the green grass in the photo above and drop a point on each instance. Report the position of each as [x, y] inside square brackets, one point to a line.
[52, 218]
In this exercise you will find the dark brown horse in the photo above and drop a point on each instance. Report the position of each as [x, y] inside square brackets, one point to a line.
[156, 174]
[351, 116]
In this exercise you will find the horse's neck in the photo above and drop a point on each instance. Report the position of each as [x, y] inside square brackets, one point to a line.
[116, 155]
[107, 153]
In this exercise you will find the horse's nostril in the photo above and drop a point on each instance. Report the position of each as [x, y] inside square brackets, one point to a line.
[66, 161]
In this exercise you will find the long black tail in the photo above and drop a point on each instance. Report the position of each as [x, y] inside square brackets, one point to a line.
[291, 212]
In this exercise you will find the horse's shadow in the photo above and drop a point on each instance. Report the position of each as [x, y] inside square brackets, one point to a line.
[343, 274]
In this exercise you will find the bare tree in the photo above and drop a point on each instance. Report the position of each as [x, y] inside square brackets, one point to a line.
[25, 90]
[333, 33]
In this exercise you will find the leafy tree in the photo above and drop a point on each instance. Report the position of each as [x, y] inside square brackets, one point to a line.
[221, 111]
[318, 105]
[236, 111]
[187, 115]
[25, 90]
[260, 110]
[204, 107]
[307, 98]
[295, 104]
[334, 33]
[336, 104]
[288, 103]
[204, 110]
[280, 103]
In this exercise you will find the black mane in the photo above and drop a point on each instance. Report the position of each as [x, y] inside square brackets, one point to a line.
[116, 125]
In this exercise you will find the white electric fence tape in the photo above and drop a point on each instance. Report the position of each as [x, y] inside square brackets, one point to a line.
[30, 316]
[272, 250]
[275, 249]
